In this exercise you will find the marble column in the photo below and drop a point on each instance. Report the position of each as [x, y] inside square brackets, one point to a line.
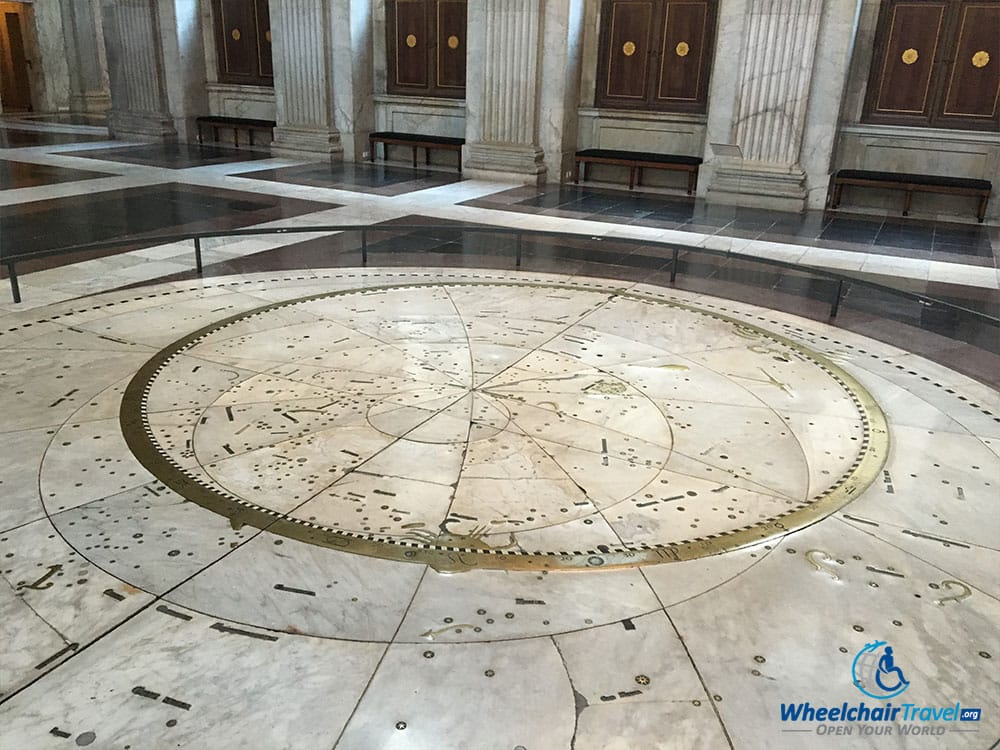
[778, 81]
[353, 75]
[156, 67]
[503, 90]
[303, 77]
[88, 80]
[561, 63]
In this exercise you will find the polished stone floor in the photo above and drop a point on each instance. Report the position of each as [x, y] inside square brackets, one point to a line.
[449, 502]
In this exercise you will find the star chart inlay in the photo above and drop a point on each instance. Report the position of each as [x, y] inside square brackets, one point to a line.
[499, 424]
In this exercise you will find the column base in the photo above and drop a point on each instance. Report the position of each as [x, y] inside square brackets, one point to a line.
[775, 187]
[92, 102]
[141, 126]
[290, 141]
[504, 162]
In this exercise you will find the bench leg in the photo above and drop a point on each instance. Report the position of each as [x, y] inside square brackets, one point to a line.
[638, 176]
[982, 207]
[414, 157]
[906, 202]
[631, 177]
[236, 137]
[250, 133]
[427, 156]
[576, 172]
[692, 180]
[371, 150]
[200, 141]
[837, 189]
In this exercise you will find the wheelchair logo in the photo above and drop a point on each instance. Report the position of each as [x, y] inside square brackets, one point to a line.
[876, 673]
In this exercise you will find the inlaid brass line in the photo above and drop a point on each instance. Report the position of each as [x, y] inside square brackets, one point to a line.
[456, 556]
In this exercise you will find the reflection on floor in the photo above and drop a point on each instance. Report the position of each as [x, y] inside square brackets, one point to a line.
[129, 214]
[378, 179]
[176, 155]
[912, 238]
[346, 452]
[17, 174]
[448, 502]
[12, 137]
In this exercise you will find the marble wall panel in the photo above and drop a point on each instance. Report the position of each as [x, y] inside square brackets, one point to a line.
[351, 58]
[955, 153]
[53, 94]
[920, 150]
[255, 102]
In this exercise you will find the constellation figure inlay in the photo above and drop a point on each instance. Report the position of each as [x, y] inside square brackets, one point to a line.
[492, 424]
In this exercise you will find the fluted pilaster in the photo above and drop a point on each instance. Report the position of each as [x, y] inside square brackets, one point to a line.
[303, 76]
[85, 56]
[774, 90]
[775, 100]
[511, 53]
[156, 67]
[502, 88]
[138, 93]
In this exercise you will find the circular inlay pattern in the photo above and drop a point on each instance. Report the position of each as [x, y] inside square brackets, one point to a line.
[507, 425]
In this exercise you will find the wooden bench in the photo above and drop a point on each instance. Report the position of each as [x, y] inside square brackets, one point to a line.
[237, 124]
[636, 161]
[923, 183]
[414, 140]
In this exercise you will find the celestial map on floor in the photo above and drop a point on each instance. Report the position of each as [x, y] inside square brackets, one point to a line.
[495, 424]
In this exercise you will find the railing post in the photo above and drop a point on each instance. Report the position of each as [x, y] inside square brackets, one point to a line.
[364, 247]
[197, 256]
[517, 257]
[835, 307]
[15, 289]
[673, 266]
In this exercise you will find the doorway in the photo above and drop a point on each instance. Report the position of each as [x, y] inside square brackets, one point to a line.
[15, 87]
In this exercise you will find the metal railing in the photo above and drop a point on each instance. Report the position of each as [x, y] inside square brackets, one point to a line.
[672, 256]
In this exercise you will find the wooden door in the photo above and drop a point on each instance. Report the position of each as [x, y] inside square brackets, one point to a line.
[15, 91]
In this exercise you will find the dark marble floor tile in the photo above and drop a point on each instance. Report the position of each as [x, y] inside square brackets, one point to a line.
[694, 225]
[673, 212]
[550, 200]
[963, 245]
[129, 215]
[621, 211]
[808, 225]
[923, 241]
[945, 256]
[403, 243]
[899, 251]
[19, 174]
[63, 118]
[650, 221]
[175, 155]
[592, 203]
[857, 231]
[908, 224]
[376, 178]
[15, 138]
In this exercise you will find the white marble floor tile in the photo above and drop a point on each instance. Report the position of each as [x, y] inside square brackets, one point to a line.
[174, 677]
[446, 421]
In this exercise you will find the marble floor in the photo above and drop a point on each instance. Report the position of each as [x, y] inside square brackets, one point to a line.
[442, 501]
